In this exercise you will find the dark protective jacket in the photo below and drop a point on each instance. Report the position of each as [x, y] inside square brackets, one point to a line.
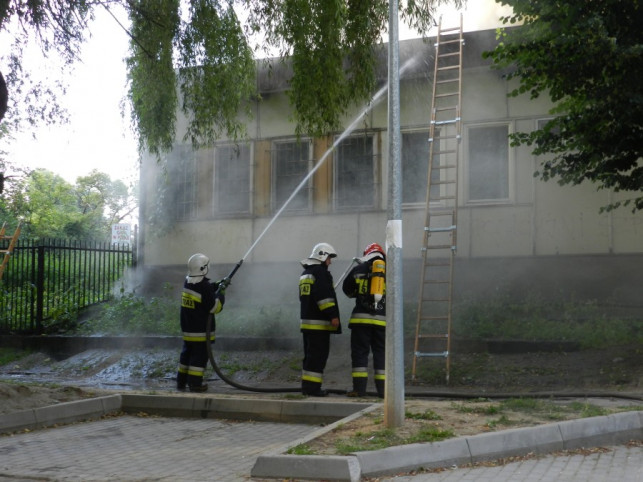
[198, 300]
[318, 301]
[357, 285]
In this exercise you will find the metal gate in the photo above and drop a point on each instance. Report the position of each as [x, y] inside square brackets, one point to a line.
[52, 280]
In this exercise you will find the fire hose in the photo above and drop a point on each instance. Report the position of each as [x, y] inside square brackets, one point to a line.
[223, 284]
[208, 330]
[434, 394]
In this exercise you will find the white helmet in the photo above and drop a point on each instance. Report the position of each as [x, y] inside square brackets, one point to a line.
[322, 251]
[197, 267]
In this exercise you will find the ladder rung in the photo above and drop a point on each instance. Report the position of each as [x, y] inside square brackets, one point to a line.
[447, 81]
[445, 229]
[444, 42]
[447, 151]
[436, 265]
[443, 354]
[441, 246]
[445, 122]
[448, 67]
[442, 109]
[450, 94]
[435, 281]
[443, 198]
[433, 318]
[449, 54]
[446, 212]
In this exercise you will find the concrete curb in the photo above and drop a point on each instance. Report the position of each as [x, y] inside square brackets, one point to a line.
[588, 432]
[197, 406]
[596, 431]
[67, 412]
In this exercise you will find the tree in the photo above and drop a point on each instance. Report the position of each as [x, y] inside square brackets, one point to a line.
[202, 50]
[588, 57]
[50, 207]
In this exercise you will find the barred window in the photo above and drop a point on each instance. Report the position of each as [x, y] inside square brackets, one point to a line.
[291, 163]
[232, 179]
[182, 167]
[355, 173]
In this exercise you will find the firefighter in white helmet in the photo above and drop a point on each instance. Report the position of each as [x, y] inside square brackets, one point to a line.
[366, 282]
[199, 301]
[319, 315]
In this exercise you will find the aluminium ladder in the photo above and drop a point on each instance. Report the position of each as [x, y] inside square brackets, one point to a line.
[9, 249]
[433, 328]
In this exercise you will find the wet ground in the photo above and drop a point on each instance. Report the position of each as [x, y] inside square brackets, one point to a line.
[609, 370]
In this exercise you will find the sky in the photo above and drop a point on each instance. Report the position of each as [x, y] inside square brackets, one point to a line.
[98, 137]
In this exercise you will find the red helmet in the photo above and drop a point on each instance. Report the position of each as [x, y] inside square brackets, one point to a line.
[373, 248]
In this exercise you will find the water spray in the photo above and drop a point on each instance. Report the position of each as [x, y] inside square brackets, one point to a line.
[223, 284]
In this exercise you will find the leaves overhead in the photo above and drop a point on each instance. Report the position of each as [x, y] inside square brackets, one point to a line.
[204, 50]
[587, 56]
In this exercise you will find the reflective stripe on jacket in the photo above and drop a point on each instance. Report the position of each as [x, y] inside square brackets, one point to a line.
[318, 302]
[356, 285]
[198, 301]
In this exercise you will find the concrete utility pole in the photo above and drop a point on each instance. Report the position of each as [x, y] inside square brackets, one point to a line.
[394, 391]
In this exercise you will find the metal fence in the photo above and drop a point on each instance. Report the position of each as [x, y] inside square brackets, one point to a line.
[46, 283]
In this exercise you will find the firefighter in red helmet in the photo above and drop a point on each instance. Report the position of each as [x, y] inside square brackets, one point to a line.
[366, 282]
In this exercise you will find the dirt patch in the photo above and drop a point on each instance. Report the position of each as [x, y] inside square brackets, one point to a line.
[435, 420]
[15, 397]
[581, 383]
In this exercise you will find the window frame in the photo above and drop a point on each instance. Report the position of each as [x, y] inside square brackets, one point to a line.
[375, 158]
[177, 167]
[510, 167]
[216, 192]
[278, 204]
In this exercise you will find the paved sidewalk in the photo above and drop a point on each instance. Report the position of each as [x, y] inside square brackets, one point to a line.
[620, 463]
[128, 448]
[193, 443]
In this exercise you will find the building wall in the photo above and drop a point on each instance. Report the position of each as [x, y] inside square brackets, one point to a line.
[533, 227]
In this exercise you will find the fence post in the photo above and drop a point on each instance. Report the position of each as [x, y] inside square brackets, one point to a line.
[40, 288]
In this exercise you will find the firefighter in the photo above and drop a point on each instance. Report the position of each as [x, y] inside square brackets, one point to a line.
[199, 301]
[366, 282]
[319, 315]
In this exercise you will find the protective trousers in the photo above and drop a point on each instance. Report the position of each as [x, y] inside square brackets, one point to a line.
[316, 349]
[364, 339]
[192, 363]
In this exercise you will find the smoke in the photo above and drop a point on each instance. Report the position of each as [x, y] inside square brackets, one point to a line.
[476, 15]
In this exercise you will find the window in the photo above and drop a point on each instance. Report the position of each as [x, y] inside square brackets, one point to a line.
[355, 173]
[232, 179]
[291, 164]
[415, 163]
[183, 173]
[488, 156]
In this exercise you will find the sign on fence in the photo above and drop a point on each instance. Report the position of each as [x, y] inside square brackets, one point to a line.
[121, 233]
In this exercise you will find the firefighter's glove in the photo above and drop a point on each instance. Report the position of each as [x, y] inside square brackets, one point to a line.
[223, 284]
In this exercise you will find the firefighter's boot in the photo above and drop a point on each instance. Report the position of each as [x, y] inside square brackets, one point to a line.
[181, 380]
[359, 387]
[379, 386]
[312, 389]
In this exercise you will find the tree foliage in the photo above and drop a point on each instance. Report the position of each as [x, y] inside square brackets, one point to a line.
[57, 28]
[588, 57]
[198, 56]
[50, 207]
